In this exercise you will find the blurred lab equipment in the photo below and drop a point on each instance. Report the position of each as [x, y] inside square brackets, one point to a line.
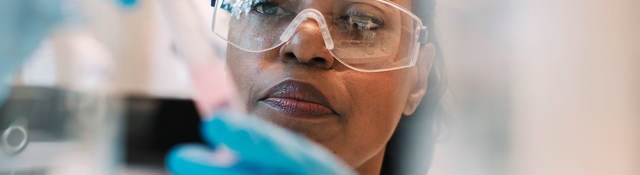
[23, 25]
[55, 129]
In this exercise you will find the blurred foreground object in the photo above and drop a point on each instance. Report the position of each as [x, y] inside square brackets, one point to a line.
[72, 126]
[23, 25]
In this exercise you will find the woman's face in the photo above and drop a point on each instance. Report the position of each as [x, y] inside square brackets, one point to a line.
[300, 86]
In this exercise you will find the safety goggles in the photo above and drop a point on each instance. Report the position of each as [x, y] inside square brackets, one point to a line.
[364, 35]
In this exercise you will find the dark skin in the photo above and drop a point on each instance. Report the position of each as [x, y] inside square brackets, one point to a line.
[367, 106]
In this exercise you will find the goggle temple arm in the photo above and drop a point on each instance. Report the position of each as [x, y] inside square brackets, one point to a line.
[424, 35]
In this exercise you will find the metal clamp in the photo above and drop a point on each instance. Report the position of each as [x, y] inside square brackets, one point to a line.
[423, 37]
[14, 139]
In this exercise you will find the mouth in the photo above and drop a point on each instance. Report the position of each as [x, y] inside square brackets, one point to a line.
[297, 99]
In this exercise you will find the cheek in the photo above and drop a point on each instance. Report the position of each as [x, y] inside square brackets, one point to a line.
[377, 105]
[249, 74]
[380, 101]
[244, 70]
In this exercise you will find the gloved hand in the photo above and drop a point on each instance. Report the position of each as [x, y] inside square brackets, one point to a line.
[23, 25]
[248, 145]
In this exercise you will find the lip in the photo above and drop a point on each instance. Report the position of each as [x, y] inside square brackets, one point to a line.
[297, 99]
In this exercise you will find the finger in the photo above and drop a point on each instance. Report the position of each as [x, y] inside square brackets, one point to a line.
[199, 160]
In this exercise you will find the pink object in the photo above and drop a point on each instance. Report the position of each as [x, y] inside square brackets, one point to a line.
[213, 87]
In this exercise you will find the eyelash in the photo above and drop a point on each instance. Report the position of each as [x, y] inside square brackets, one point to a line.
[259, 8]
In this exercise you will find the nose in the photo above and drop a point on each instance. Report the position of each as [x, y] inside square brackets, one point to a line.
[307, 47]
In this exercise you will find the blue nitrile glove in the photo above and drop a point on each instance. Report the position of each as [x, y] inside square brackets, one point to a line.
[23, 25]
[248, 145]
[128, 3]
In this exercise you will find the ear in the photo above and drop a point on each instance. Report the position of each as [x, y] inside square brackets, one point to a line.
[419, 89]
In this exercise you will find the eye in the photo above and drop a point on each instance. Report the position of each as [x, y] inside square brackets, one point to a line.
[269, 9]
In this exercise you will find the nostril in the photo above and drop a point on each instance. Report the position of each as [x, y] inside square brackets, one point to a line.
[319, 60]
[290, 55]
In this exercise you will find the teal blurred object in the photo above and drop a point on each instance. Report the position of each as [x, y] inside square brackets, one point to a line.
[128, 3]
[248, 145]
[23, 26]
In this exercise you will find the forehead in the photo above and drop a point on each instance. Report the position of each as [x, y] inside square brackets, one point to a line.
[403, 3]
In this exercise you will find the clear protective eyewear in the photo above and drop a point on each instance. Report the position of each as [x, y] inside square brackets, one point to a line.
[364, 35]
